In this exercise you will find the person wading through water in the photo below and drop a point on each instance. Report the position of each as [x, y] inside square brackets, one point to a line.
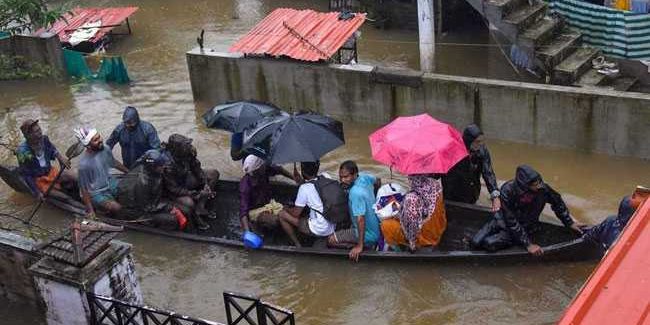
[134, 136]
[185, 182]
[462, 183]
[523, 200]
[34, 157]
[98, 187]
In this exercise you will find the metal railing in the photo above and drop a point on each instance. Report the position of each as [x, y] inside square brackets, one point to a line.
[111, 311]
[263, 313]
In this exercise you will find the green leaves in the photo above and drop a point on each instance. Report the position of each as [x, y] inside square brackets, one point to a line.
[16, 68]
[21, 16]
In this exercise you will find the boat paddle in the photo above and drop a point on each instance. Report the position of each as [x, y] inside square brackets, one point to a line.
[73, 151]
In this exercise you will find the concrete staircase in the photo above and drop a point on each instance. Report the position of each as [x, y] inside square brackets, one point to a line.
[556, 51]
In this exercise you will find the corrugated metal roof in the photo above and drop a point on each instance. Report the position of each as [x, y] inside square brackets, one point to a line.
[618, 291]
[300, 34]
[109, 17]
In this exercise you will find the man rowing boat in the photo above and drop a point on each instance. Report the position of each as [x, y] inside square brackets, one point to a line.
[34, 157]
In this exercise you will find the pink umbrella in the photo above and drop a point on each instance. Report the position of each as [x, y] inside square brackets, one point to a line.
[418, 145]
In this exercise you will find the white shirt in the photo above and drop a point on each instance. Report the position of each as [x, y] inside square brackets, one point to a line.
[308, 198]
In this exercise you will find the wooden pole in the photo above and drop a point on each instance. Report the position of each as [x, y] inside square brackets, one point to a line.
[427, 35]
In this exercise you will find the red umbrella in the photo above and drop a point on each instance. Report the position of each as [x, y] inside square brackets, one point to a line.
[418, 145]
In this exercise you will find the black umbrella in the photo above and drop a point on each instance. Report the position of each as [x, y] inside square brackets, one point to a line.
[296, 137]
[237, 116]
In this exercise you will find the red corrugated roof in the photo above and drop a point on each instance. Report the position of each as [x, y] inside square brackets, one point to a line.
[300, 34]
[80, 16]
[618, 291]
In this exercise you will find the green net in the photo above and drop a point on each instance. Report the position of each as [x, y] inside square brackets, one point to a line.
[112, 68]
[4, 35]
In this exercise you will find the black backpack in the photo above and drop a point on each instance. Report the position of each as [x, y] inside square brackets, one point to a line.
[335, 200]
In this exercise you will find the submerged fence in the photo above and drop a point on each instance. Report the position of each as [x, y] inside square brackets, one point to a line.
[240, 309]
[616, 32]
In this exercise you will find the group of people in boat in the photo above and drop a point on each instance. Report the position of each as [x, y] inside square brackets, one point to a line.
[167, 180]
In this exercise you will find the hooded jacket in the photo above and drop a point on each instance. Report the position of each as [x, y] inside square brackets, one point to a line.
[463, 183]
[136, 142]
[608, 231]
[521, 207]
[184, 173]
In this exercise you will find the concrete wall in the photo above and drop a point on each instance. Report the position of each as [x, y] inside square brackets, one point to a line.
[45, 50]
[63, 287]
[16, 284]
[591, 120]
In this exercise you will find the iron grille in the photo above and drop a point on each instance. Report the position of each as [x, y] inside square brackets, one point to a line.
[109, 311]
[263, 313]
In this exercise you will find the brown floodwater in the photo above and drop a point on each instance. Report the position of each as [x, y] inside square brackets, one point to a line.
[190, 277]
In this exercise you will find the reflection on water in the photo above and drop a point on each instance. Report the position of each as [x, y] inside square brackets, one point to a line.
[190, 277]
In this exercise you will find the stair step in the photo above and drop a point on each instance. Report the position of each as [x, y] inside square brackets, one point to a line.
[623, 83]
[501, 8]
[540, 33]
[526, 15]
[568, 71]
[559, 48]
[591, 78]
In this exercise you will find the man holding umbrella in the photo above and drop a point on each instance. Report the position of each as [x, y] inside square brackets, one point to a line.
[305, 138]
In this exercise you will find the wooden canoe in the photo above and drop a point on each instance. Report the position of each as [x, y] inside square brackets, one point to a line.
[559, 243]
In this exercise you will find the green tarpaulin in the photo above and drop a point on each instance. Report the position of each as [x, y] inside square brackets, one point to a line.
[112, 68]
[616, 32]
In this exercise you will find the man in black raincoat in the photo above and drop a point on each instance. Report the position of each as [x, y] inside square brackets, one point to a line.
[606, 233]
[522, 202]
[462, 183]
[134, 136]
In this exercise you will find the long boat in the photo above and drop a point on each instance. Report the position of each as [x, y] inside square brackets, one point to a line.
[559, 243]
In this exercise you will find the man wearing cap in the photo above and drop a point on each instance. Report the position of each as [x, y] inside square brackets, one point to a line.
[98, 187]
[34, 156]
[134, 136]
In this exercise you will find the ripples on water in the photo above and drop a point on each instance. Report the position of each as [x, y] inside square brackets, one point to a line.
[190, 277]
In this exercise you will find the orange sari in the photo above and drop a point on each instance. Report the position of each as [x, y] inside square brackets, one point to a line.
[430, 233]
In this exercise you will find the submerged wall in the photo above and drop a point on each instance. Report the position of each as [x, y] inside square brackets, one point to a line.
[592, 120]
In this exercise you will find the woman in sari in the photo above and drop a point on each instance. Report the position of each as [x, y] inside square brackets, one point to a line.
[422, 219]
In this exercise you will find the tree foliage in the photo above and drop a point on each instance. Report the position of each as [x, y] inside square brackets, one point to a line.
[20, 16]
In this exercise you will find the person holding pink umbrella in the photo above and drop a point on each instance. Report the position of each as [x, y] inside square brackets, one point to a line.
[422, 220]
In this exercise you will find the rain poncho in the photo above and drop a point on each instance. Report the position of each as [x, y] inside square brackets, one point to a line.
[135, 142]
[520, 211]
[608, 231]
[463, 183]
[184, 173]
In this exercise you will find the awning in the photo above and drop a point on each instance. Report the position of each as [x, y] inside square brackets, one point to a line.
[96, 21]
[300, 34]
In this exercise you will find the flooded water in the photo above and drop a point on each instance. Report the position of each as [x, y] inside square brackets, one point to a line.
[190, 277]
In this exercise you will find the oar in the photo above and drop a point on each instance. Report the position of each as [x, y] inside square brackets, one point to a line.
[72, 152]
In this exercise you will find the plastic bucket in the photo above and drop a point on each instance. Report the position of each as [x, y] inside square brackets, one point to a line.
[252, 240]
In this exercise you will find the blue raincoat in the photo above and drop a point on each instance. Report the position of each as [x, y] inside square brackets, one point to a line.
[136, 142]
[608, 231]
